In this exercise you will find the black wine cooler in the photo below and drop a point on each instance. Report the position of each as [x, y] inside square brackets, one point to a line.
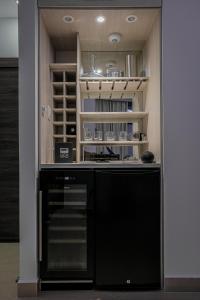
[66, 225]
[100, 228]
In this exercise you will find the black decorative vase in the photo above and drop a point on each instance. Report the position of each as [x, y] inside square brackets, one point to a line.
[147, 157]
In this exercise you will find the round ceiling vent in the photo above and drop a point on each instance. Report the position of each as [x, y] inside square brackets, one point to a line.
[115, 37]
[68, 19]
[131, 19]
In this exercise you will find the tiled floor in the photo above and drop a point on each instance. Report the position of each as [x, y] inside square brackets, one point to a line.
[91, 295]
[9, 273]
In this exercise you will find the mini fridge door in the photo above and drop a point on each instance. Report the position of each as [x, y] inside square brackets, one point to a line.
[128, 228]
[67, 225]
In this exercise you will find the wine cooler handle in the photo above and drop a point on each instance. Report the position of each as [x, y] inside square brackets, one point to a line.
[40, 226]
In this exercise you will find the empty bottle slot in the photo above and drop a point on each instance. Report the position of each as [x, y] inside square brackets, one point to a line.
[58, 116]
[71, 117]
[70, 76]
[58, 76]
[70, 103]
[58, 103]
[71, 90]
[58, 89]
[58, 140]
[74, 155]
[71, 129]
[58, 129]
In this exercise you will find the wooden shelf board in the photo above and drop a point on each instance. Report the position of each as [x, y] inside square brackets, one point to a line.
[68, 97]
[111, 117]
[64, 135]
[62, 123]
[128, 143]
[61, 83]
[58, 110]
[71, 136]
[58, 97]
[56, 83]
[70, 109]
[58, 135]
[70, 123]
[63, 67]
[69, 83]
[112, 95]
[113, 78]
[64, 110]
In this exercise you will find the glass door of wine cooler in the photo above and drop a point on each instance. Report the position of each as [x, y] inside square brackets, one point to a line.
[67, 225]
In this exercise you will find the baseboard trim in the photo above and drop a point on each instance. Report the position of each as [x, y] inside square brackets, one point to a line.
[176, 284]
[27, 289]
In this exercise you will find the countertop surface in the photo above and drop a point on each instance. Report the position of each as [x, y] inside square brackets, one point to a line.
[113, 164]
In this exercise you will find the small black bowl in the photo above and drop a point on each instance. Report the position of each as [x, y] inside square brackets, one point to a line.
[147, 157]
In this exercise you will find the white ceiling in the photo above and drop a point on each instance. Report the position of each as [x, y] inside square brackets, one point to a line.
[94, 36]
[8, 9]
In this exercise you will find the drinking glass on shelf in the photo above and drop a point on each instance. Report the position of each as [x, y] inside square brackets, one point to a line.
[98, 135]
[122, 136]
[134, 136]
[110, 136]
[87, 134]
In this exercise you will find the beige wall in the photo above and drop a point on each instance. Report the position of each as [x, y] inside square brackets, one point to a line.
[46, 127]
[152, 105]
[65, 57]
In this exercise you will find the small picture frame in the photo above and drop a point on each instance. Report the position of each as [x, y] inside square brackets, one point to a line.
[63, 152]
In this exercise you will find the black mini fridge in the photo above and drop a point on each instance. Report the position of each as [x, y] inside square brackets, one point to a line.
[128, 251]
[66, 228]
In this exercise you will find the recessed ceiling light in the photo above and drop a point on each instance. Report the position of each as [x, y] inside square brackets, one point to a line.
[100, 19]
[68, 19]
[17, 1]
[131, 19]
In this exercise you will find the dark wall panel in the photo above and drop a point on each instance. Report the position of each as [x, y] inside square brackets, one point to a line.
[9, 165]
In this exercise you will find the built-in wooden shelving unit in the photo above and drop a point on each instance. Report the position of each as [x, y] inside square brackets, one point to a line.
[99, 107]
[69, 90]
